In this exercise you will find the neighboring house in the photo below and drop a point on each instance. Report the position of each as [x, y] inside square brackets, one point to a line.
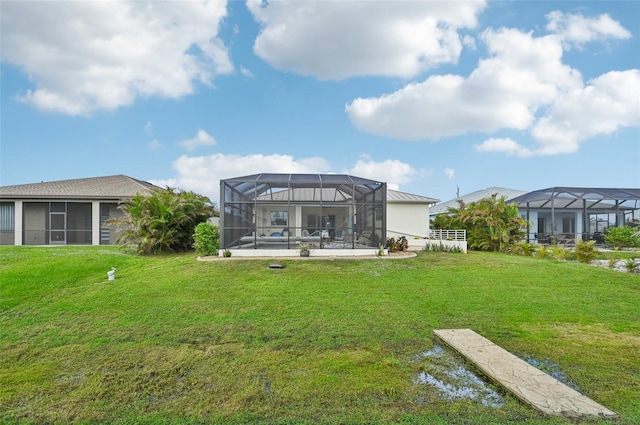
[476, 196]
[275, 211]
[562, 214]
[67, 212]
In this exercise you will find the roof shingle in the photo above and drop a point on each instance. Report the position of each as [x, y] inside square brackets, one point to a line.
[107, 187]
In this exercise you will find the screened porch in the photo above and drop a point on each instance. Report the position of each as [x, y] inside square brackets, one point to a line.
[282, 211]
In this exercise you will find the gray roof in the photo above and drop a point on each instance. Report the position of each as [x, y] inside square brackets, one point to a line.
[580, 197]
[315, 194]
[442, 207]
[109, 187]
[408, 198]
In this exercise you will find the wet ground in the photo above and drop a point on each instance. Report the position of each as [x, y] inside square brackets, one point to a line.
[442, 370]
[446, 372]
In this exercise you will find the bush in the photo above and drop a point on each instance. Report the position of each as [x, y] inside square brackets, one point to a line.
[631, 265]
[622, 237]
[162, 222]
[585, 251]
[523, 248]
[394, 245]
[491, 223]
[544, 252]
[206, 239]
[559, 252]
[440, 247]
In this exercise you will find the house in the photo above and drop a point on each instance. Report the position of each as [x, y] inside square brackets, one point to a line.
[328, 211]
[476, 196]
[67, 212]
[257, 211]
[562, 214]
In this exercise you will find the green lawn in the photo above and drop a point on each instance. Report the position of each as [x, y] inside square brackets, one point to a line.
[174, 340]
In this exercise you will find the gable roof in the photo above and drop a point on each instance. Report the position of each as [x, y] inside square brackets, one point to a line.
[475, 197]
[109, 187]
[395, 196]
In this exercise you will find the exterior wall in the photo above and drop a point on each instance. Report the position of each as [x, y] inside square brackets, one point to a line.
[95, 223]
[405, 219]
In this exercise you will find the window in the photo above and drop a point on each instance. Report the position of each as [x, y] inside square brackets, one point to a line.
[568, 225]
[279, 218]
[7, 223]
[7, 218]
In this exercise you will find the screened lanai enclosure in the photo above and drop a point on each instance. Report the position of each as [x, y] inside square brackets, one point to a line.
[282, 211]
[563, 214]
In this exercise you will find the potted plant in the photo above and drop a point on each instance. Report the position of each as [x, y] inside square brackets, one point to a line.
[303, 249]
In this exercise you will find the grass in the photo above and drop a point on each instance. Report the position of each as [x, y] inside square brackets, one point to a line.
[174, 340]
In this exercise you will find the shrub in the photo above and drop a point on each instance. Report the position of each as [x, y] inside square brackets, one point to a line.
[523, 248]
[206, 239]
[544, 252]
[401, 244]
[631, 265]
[440, 247]
[162, 222]
[622, 237]
[559, 252]
[585, 251]
[226, 253]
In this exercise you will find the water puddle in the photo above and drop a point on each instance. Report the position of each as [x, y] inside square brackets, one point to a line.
[552, 369]
[443, 371]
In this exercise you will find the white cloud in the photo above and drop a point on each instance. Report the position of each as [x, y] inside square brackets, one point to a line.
[506, 145]
[605, 105]
[450, 173]
[148, 127]
[504, 91]
[202, 139]
[522, 85]
[202, 174]
[365, 38]
[469, 42]
[576, 30]
[154, 145]
[392, 171]
[82, 62]
[244, 71]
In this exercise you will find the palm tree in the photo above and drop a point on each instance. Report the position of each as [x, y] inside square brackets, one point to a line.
[163, 221]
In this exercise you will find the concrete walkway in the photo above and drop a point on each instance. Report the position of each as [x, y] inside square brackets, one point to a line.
[526, 382]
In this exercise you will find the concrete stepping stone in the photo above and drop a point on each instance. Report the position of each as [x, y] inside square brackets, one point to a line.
[526, 382]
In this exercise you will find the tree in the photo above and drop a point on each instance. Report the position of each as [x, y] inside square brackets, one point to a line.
[491, 223]
[163, 221]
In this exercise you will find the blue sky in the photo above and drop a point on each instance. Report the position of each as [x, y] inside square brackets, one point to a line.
[428, 96]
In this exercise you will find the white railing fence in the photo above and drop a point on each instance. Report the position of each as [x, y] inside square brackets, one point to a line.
[448, 235]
